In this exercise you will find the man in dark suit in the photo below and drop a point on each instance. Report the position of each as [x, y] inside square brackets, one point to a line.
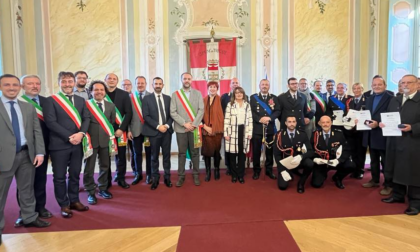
[121, 100]
[265, 110]
[158, 127]
[355, 138]
[331, 152]
[67, 118]
[31, 84]
[338, 102]
[330, 85]
[101, 131]
[135, 133]
[291, 142]
[22, 149]
[294, 103]
[377, 104]
[127, 86]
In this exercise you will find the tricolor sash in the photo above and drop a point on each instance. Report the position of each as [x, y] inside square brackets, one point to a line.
[191, 114]
[135, 99]
[72, 112]
[338, 103]
[122, 141]
[38, 108]
[320, 101]
[105, 124]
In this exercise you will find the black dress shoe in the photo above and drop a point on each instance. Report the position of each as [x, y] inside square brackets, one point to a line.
[38, 223]
[155, 185]
[234, 179]
[123, 184]
[411, 211]
[148, 180]
[19, 222]
[168, 183]
[241, 180]
[300, 188]
[338, 183]
[357, 175]
[92, 200]
[271, 175]
[392, 200]
[136, 180]
[256, 176]
[44, 214]
[105, 194]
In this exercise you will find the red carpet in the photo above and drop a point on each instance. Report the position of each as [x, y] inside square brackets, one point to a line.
[241, 237]
[212, 202]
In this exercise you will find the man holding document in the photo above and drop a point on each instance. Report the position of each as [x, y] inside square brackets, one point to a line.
[404, 151]
[377, 104]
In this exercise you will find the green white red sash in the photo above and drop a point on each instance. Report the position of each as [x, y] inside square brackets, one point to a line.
[105, 124]
[38, 108]
[135, 99]
[72, 112]
[320, 101]
[191, 114]
[122, 141]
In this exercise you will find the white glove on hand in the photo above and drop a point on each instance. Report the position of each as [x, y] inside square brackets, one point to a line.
[320, 161]
[286, 176]
[333, 162]
[296, 160]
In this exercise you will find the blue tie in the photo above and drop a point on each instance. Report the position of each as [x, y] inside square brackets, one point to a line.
[15, 125]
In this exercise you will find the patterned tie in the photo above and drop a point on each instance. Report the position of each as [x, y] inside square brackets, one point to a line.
[15, 125]
[100, 106]
[162, 113]
[327, 138]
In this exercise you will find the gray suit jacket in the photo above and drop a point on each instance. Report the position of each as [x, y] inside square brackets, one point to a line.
[179, 114]
[136, 127]
[99, 137]
[33, 135]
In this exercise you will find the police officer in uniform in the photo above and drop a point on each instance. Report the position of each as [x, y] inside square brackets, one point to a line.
[331, 152]
[293, 143]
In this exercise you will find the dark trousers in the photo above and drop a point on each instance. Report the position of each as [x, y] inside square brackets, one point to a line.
[186, 141]
[40, 185]
[138, 156]
[132, 162]
[104, 167]
[319, 174]
[237, 160]
[358, 152]
[413, 194]
[161, 141]
[377, 158]
[121, 163]
[256, 154]
[307, 166]
[63, 161]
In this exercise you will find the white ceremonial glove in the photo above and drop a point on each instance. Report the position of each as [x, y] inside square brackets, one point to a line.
[304, 149]
[339, 152]
[319, 161]
[286, 176]
[333, 162]
[296, 160]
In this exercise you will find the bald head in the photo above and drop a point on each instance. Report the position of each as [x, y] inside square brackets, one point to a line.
[234, 83]
[111, 80]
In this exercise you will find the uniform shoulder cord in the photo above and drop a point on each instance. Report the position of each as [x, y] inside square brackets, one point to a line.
[321, 153]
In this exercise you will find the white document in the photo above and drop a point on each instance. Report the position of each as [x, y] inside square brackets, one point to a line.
[338, 117]
[362, 116]
[348, 120]
[391, 121]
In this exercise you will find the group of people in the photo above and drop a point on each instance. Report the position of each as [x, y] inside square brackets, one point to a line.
[97, 122]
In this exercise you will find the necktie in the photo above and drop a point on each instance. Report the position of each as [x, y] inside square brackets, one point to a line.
[327, 138]
[100, 106]
[294, 97]
[70, 98]
[356, 101]
[340, 98]
[15, 125]
[34, 99]
[264, 97]
[162, 113]
[141, 97]
[292, 136]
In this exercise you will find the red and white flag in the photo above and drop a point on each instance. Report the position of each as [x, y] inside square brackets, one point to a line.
[214, 61]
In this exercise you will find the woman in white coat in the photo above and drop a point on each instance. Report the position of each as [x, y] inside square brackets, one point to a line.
[238, 133]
